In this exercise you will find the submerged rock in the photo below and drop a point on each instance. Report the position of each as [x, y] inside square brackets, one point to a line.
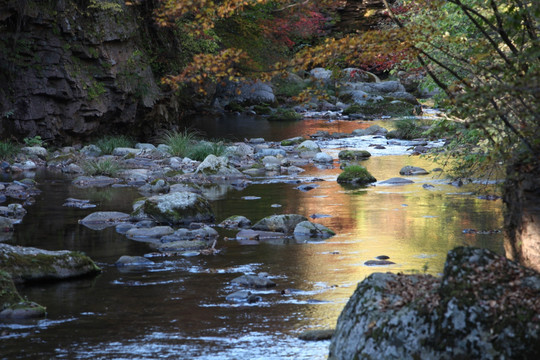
[485, 307]
[133, 261]
[253, 281]
[413, 170]
[396, 181]
[104, 219]
[31, 264]
[235, 222]
[307, 229]
[243, 296]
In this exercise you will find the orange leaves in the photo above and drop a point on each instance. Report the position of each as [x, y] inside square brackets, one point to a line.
[206, 68]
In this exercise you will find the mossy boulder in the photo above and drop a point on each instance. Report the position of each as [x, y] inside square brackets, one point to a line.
[12, 305]
[178, 208]
[280, 223]
[308, 230]
[31, 264]
[484, 307]
[354, 155]
[356, 175]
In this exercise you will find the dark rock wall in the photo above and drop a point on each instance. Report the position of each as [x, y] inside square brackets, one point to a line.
[71, 70]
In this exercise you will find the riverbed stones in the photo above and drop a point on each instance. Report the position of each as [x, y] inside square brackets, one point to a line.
[235, 222]
[32, 264]
[285, 223]
[94, 181]
[203, 233]
[413, 170]
[37, 151]
[478, 310]
[308, 146]
[354, 155]
[243, 296]
[309, 230]
[149, 234]
[217, 166]
[372, 130]
[258, 235]
[396, 181]
[104, 219]
[253, 281]
[323, 158]
[178, 208]
[316, 335]
[158, 186]
[183, 245]
[91, 151]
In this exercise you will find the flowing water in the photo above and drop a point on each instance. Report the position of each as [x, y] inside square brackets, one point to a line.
[177, 309]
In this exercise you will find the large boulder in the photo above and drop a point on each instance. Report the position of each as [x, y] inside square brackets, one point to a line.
[281, 223]
[307, 230]
[485, 307]
[177, 208]
[31, 264]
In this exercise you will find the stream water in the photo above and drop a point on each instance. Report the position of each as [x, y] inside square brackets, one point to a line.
[177, 309]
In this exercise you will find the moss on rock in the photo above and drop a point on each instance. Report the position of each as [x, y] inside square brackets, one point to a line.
[355, 174]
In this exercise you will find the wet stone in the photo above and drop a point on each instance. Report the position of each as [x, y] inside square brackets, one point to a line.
[316, 335]
[253, 281]
[378, 262]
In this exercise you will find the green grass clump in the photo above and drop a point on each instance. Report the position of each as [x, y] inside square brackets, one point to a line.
[204, 148]
[407, 129]
[355, 174]
[285, 115]
[180, 142]
[107, 167]
[108, 143]
[8, 150]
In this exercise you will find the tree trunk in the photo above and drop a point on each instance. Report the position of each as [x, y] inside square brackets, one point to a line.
[522, 214]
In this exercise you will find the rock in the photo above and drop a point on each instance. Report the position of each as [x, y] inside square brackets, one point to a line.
[145, 146]
[12, 305]
[321, 74]
[356, 175]
[121, 151]
[354, 155]
[149, 234]
[270, 152]
[316, 335]
[37, 151]
[320, 134]
[252, 93]
[396, 181]
[133, 261]
[412, 170]
[73, 169]
[308, 230]
[256, 235]
[217, 166]
[178, 208]
[243, 150]
[253, 281]
[308, 145]
[307, 187]
[6, 225]
[243, 296]
[31, 264]
[203, 233]
[378, 262]
[476, 311]
[280, 223]
[183, 245]
[323, 157]
[104, 219]
[372, 130]
[292, 141]
[235, 222]
[91, 151]
[158, 186]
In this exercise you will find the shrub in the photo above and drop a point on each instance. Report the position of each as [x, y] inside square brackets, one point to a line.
[109, 143]
[409, 129]
[33, 141]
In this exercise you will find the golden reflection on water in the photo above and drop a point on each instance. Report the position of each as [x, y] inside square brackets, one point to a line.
[412, 225]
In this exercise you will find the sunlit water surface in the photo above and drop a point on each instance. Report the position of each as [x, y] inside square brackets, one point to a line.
[177, 309]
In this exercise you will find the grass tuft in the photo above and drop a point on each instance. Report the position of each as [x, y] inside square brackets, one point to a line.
[8, 150]
[109, 143]
[107, 167]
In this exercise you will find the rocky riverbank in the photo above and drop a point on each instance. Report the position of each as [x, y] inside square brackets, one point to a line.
[483, 307]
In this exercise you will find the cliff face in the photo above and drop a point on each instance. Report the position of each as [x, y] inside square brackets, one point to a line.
[74, 69]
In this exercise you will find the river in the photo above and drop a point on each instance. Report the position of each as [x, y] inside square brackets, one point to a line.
[177, 309]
